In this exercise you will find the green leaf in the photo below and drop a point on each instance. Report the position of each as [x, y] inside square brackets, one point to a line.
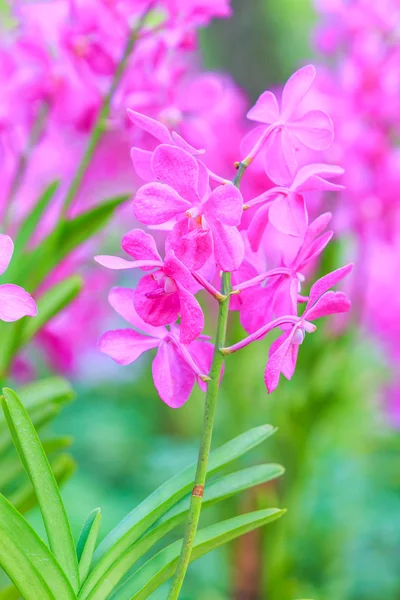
[216, 491]
[52, 390]
[43, 399]
[24, 498]
[161, 567]
[50, 304]
[68, 235]
[128, 531]
[11, 466]
[35, 551]
[9, 593]
[37, 466]
[21, 570]
[87, 542]
[29, 225]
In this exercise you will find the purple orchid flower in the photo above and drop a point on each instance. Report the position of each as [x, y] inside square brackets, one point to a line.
[166, 293]
[176, 366]
[285, 208]
[207, 223]
[285, 128]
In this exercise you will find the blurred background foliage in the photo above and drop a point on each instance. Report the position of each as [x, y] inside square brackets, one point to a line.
[341, 537]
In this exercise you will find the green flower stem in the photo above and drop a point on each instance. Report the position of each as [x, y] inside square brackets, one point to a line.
[34, 136]
[207, 429]
[100, 124]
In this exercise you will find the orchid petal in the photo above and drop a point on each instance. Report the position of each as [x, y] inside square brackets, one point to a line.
[192, 318]
[121, 299]
[265, 110]
[225, 204]
[280, 160]
[311, 177]
[15, 303]
[295, 90]
[126, 345]
[151, 126]
[314, 130]
[325, 283]
[141, 160]
[118, 263]
[157, 203]
[161, 309]
[177, 168]
[192, 247]
[141, 246]
[202, 353]
[173, 378]
[6, 251]
[288, 214]
[277, 357]
[330, 303]
[228, 246]
[257, 226]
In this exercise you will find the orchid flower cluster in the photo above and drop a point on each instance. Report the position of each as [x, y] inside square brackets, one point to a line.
[264, 245]
[360, 88]
[68, 70]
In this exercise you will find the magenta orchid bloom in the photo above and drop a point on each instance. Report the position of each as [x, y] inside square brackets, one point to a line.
[276, 292]
[142, 159]
[285, 208]
[176, 367]
[15, 302]
[286, 128]
[166, 293]
[283, 352]
[207, 223]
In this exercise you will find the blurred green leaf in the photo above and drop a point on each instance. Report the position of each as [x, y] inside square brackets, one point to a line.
[161, 567]
[30, 223]
[37, 466]
[24, 497]
[50, 304]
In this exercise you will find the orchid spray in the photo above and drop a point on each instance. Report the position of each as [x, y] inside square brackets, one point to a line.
[247, 250]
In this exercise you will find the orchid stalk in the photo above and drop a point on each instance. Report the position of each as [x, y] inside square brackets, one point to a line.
[207, 428]
[99, 126]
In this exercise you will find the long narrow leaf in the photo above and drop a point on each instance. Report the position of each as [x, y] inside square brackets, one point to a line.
[24, 498]
[35, 550]
[29, 225]
[11, 466]
[67, 236]
[10, 593]
[128, 531]
[87, 542]
[37, 466]
[162, 566]
[21, 571]
[218, 490]
[50, 304]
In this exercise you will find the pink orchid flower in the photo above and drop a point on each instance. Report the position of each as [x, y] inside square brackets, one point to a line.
[276, 292]
[285, 207]
[284, 351]
[166, 293]
[176, 367]
[15, 302]
[142, 159]
[206, 222]
[285, 128]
